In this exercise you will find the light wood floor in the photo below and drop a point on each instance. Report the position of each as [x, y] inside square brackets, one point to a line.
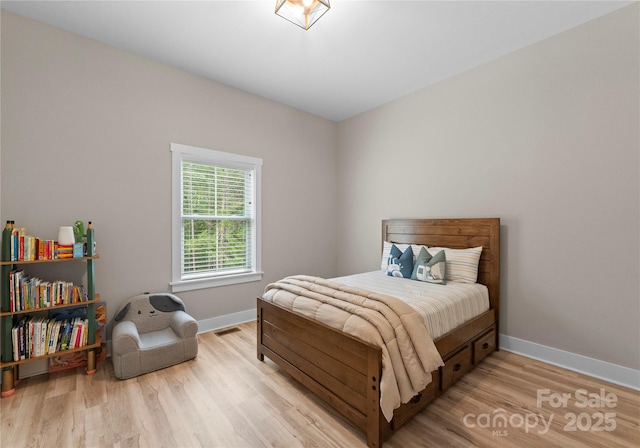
[227, 398]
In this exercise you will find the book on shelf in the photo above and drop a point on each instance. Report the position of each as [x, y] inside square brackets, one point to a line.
[33, 336]
[63, 361]
[64, 337]
[22, 343]
[26, 247]
[32, 293]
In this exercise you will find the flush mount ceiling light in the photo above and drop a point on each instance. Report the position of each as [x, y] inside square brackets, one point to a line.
[303, 13]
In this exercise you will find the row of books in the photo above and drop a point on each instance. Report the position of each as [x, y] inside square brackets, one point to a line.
[33, 336]
[33, 293]
[29, 248]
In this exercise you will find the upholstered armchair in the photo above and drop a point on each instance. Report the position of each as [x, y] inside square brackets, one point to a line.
[151, 332]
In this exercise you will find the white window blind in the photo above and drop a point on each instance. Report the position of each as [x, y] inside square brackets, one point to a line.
[218, 213]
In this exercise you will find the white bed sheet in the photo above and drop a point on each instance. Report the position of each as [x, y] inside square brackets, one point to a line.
[443, 307]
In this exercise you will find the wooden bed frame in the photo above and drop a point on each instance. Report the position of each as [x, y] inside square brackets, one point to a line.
[345, 371]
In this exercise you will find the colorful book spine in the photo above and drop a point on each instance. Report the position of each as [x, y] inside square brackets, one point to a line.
[35, 336]
[25, 247]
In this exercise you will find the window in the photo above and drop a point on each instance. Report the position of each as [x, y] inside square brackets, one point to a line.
[216, 218]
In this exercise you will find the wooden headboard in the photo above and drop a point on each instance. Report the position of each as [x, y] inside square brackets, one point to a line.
[456, 234]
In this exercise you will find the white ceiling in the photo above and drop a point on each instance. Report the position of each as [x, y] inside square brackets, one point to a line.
[360, 55]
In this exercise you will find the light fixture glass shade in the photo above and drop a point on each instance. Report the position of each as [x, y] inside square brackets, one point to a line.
[303, 13]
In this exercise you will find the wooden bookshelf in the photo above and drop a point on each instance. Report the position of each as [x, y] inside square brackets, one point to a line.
[8, 365]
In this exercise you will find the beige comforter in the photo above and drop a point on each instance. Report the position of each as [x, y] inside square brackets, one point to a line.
[408, 352]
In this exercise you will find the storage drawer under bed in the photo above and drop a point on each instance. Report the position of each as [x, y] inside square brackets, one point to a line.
[455, 367]
[466, 357]
[484, 346]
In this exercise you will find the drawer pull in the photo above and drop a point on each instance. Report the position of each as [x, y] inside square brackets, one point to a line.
[485, 346]
[457, 366]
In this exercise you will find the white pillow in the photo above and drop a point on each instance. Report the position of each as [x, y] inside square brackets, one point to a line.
[386, 251]
[462, 264]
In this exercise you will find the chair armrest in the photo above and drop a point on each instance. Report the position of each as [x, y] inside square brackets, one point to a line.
[184, 325]
[125, 338]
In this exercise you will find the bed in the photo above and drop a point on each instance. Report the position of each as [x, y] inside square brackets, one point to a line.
[345, 372]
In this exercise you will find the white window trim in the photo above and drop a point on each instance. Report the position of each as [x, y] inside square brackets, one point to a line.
[183, 152]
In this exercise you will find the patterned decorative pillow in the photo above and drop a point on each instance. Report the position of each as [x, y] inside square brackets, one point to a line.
[400, 263]
[386, 252]
[462, 264]
[430, 268]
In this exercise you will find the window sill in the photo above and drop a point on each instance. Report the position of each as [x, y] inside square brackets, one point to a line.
[212, 282]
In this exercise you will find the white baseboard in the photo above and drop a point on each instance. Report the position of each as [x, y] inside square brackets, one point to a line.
[613, 373]
[226, 321]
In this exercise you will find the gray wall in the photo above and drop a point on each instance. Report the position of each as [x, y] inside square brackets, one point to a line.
[86, 132]
[545, 138]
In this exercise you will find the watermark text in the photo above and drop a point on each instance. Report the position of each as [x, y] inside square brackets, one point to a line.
[596, 414]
